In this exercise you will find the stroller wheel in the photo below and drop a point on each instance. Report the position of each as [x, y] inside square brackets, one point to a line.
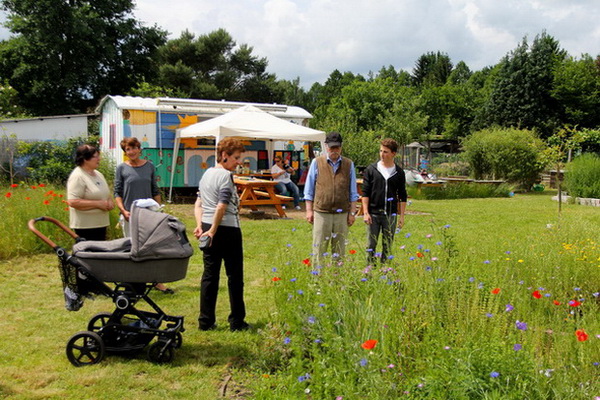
[160, 353]
[85, 348]
[98, 321]
[178, 341]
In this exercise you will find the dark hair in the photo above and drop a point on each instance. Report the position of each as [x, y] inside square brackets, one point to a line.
[390, 144]
[229, 146]
[83, 153]
[131, 142]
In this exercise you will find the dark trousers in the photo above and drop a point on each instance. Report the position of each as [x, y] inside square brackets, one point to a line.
[92, 233]
[386, 226]
[226, 246]
[291, 189]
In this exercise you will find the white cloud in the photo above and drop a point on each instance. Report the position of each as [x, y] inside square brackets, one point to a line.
[311, 38]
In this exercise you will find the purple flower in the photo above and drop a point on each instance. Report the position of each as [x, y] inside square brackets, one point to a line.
[434, 258]
[274, 269]
[521, 325]
[420, 246]
[321, 304]
[471, 279]
[494, 374]
[486, 261]
[293, 229]
[339, 210]
[317, 341]
[517, 347]
[412, 259]
[390, 257]
[447, 226]
[596, 294]
[289, 245]
[509, 308]
[576, 289]
[311, 320]
[335, 255]
[304, 377]
[439, 243]
[293, 280]
[364, 280]
[489, 315]
[363, 362]
[407, 235]
[300, 291]
[287, 340]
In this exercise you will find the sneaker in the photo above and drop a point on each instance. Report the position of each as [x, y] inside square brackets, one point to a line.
[298, 208]
[244, 326]
[208, 328]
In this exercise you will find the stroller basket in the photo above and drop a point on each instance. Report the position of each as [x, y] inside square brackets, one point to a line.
[158, 251]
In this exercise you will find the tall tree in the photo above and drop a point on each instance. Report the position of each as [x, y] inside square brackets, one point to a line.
[577, 88]
[522, 92]
[212, 66]
[65, 55]
[432, 69]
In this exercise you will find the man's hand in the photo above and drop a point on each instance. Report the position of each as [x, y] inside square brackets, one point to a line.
[310, 216]
[368, 219]
[400, 221]
[351, 219]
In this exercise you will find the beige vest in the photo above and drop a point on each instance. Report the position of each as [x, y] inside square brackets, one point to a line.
[332, 191]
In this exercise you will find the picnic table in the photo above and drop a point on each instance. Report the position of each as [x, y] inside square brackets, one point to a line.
[260, 192]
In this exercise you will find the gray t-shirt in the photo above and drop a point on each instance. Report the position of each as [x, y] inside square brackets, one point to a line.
[217, 186]
[133, 183]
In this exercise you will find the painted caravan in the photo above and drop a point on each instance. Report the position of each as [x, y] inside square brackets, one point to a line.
[156, 121]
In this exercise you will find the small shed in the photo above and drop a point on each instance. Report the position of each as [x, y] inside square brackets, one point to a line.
[58, 127]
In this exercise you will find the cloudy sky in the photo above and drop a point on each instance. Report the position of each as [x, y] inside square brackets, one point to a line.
[310, 38]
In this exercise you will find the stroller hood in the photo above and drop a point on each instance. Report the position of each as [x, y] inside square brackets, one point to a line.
[156, 235]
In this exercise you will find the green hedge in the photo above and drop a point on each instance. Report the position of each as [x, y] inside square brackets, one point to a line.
[582, 177]
[511, 154]
[461, 191]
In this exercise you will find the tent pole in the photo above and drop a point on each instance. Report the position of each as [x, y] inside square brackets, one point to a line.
[174, 164]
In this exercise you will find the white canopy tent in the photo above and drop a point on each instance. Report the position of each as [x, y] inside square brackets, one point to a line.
[247, 122]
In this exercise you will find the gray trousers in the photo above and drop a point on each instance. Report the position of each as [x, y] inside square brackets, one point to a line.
[329, 229]
[386, 226]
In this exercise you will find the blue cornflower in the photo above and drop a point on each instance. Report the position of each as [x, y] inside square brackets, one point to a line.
[311, 319]
[420, 246]
[363, 362]
[321, 304]
[489, 315]
[314, 272]
[300, 291]
[521, 325]
[447, 226]
[390, 257]
[471, 279]
[293, 280]
[517, 347]
[397, 230]
[412, 259]
[494, 374]
[364, 280]
[407, 235]
[304, 377]
[577, 289]
[390, 199]
[289, 245]
[287, 340]
[318, 341]
[438, 243]
[335, 255]
[509, 308]
[486, 261]
[274, 269]
[339, 210]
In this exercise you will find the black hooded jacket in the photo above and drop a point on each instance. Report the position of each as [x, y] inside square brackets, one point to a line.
[384, 194]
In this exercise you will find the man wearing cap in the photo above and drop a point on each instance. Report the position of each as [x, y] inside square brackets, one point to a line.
[330, 194]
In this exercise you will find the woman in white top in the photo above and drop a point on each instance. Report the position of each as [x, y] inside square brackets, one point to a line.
[88, 196]
[281, 174]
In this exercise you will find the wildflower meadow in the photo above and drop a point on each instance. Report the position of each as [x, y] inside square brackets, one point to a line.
[480, 299]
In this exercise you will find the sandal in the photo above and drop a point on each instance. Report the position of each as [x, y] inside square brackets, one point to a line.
[163, 289]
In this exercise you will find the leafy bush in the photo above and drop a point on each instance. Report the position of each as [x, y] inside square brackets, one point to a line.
[457, 168]
[461, 191]
[582, 178]
[505, 153]
[52, 162]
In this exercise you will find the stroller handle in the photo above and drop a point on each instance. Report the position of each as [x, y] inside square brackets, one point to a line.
[45, 239]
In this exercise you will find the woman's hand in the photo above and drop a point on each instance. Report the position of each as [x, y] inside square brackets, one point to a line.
[126, 214]
[198, 232]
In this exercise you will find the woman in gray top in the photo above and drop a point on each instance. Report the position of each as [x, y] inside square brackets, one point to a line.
[218, 225]
[135, 179]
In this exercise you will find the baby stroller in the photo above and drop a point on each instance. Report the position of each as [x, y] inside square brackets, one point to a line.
[158, 251]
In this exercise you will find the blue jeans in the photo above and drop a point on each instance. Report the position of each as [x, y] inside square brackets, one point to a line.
[292, 189]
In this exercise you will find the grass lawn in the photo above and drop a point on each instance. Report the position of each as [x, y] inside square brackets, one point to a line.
[516, 245]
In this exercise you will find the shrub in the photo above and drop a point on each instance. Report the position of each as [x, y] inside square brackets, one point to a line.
[51, 161]
[505, 153]
[461, 191]
[582, 178]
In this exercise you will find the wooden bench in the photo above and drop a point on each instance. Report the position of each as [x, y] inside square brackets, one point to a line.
[284, 199]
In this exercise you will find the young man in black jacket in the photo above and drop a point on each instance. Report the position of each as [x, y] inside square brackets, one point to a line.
[383, 199]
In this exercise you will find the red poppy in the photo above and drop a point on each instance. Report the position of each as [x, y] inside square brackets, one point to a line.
[46, 202]
[7, 195]
[60, 195]
[581, 335]
[66, 208]
[556, 302]
[41, 185]
[352, 251]
[369, 344]
[496, 290]
[537, 294]
[275, 279]
[574, 303]
[27, 198]
[306, 261]
[34, 187]
[14, 185]
[419, 254]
